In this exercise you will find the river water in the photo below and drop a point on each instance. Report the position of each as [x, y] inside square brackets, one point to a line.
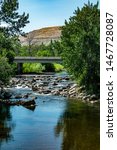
[56, 123]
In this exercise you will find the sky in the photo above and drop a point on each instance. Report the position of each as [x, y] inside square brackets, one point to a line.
[45, 13]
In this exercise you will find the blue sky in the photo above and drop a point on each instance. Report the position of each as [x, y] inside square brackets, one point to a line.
[45, 13]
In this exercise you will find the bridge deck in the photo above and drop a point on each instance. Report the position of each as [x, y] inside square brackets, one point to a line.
[38, 59]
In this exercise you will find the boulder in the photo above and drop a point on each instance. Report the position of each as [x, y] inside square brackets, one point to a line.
[26, 95]
[29, 103]
[18, 96]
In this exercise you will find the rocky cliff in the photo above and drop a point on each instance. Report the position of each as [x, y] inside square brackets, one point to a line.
[44, 35]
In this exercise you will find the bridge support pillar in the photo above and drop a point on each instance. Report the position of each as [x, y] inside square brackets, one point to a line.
[19, 68]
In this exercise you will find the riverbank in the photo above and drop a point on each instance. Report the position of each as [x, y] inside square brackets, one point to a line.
[50, 84]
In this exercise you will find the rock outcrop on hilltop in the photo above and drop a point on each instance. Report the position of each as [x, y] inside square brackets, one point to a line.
[44, 35]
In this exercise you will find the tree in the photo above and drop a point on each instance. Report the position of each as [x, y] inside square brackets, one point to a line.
[11, 18]
[9, 33]
[81, 46]
[13, 26]
[31, 41]
[55, 48]
[5, 71]
[8, 47]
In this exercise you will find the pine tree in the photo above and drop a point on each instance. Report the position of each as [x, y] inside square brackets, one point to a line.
[10, 17]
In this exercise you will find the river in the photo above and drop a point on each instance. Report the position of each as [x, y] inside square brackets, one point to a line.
[56, 123]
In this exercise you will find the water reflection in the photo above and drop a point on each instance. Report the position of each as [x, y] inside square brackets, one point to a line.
[32, 108]
[5, 126]
[79, 125]
[56, 124]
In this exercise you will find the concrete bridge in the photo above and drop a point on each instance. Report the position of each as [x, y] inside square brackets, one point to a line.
[21, 60]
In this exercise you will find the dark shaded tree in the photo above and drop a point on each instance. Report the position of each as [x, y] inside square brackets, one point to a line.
[80, 129]
[6, 126]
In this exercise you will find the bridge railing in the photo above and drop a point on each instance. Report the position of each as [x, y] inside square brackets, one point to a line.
[38, 59]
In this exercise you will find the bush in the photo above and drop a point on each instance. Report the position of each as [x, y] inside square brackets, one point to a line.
[10, 55]
[58, 67]
[23, 51]
[5, 70]
[32, 68]
[39, 68]
[43, 53]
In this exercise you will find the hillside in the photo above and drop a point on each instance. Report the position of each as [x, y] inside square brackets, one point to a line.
[44, 35]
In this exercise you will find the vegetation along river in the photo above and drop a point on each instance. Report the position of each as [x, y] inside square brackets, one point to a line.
[56, 123]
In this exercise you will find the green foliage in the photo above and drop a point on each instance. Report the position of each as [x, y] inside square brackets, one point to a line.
[9, 43]
[58, 67]
[10, 16]
[81, 46]
[53, 49]
[43, 53]
[14, 68]
[32, 68]
[23, 51]
[39, 68]
[10, 55]
[5, 70]
[14, 23]
[57, 48]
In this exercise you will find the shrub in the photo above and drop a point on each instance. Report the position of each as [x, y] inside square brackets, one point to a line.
[58, 67]
[32, 68]
[43, 53]
[5, 70]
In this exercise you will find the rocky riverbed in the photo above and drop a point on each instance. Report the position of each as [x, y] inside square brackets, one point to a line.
[60, 85]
